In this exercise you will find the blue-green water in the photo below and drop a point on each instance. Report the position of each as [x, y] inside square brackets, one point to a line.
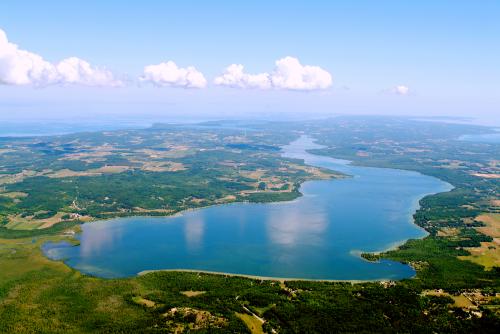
[317, 236]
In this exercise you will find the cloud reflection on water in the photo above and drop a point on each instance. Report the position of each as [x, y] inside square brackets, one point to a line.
[98, 237]
[290, 225]
[194, 229]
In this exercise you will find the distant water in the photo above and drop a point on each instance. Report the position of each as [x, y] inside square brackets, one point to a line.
[318, 236]
[491, 138]
[50, 128]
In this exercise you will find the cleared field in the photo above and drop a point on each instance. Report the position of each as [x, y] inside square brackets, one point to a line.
[91, 172]
[488, 255]
[492, 222]
[253, 323]
[487, 176]
[14, 194]
[13, 178]
[458, 301]
[166, 166]
[27, 223]
[191, 293]
[142, 301]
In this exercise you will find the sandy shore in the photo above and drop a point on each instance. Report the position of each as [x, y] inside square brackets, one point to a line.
[261, 278]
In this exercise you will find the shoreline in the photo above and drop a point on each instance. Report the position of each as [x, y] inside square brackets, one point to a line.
[392, 246]
[262, 278]
[180, 213]
[415, 206]
[414, 209]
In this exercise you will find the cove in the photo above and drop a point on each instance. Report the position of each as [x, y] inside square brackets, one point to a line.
[317, 236]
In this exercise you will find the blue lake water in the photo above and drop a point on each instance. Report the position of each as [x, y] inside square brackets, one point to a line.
[317, 236]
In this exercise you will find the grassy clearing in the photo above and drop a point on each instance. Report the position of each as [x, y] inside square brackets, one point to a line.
[7, 233]
[16, 222]
[261, 310]
[90, 172]
[458, 301]
[462, 301]
[253, 324]
[142, 301]
[14, 194]
[192, 293]
[492, 222]
[488, 254]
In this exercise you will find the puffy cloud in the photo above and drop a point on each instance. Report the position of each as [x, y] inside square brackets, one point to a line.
[21, 67]
[289, 73]
[234, 76]
[168, 74]
[77, 71]
[401, 90]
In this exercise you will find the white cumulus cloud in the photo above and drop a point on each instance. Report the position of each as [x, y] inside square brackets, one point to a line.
[234, 76]
[289, 73]
[401, 90]
[77, 71]
[21, 67]
[169, 74]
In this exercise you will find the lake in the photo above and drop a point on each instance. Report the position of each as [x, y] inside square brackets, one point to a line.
[317, 236]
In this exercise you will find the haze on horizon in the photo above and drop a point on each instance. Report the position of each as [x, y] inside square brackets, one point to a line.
[282, 60]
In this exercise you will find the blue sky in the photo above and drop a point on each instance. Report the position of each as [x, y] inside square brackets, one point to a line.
[447, 53]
